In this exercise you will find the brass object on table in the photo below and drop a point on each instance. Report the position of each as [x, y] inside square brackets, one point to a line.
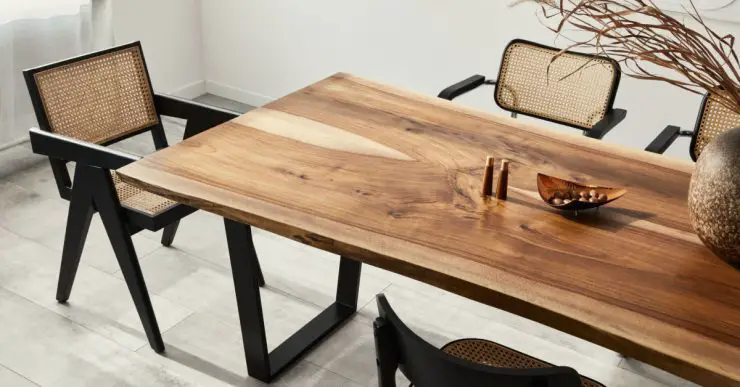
[569, 196]
[487, 189]
[502, 184]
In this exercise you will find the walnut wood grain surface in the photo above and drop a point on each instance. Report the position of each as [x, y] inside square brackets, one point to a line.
[393, 179]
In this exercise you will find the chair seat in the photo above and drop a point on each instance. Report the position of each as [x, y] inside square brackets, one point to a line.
[137, 199]
[496, 355]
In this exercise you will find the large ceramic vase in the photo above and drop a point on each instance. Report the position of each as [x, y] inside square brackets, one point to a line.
[714, 197]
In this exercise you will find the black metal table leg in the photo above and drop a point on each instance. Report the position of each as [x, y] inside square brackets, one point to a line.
[348, 283]
[249, 303]
[261, 364]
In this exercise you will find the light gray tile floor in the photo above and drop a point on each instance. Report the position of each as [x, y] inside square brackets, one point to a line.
[97, 339]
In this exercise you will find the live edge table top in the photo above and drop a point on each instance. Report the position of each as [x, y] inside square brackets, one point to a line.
[392, 178]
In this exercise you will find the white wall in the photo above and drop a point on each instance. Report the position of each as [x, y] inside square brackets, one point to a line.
[170, 34]
[258, 50]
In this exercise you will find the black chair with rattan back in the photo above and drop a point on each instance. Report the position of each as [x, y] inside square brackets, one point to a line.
[714, 119]
[467, 362]
[576, 89]
[83, 104]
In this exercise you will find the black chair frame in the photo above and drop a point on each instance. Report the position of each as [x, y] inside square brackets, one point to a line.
[399, 348]
[93, 191]
[598, 131]
[668, 136]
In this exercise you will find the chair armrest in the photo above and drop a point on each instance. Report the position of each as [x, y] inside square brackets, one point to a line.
[463, 87]
[664, 139]
[601, 128]
[171, 106]
[68, 149]
[200, 117]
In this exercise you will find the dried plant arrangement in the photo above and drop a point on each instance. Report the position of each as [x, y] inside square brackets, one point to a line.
[639, 35]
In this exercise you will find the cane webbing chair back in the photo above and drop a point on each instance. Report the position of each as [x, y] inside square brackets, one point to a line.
[99, 98]
[575, 89]
[496, 355]
[714, 120]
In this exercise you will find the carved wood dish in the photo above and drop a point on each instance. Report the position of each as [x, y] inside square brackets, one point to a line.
[551, 188]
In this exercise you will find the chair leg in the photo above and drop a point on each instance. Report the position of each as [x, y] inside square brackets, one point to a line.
[386, 360]
[109, 209]
[78, 224]
[168, 233]
[159, 137]
[160, 142]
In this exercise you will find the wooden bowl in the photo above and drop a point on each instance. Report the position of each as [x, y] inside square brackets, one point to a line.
[548, 186]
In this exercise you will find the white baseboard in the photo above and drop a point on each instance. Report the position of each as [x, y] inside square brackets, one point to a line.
[237, 94]
[14, 143]
[190, 91]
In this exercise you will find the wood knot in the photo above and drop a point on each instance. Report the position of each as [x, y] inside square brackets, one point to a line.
[312, 239]
[396, 214]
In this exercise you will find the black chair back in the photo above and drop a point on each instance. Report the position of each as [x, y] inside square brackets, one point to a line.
[100, 98]
[568, 88]
[714, 119]
[397, 347]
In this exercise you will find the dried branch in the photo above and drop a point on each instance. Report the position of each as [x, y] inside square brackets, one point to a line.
[640, 36]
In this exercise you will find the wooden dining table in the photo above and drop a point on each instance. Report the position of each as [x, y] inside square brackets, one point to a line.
[391, 178]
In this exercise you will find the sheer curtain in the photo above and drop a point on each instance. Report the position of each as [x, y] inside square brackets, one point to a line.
[34, 32]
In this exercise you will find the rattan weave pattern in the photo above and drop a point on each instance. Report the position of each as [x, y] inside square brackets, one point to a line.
[140, 200]
[496, 355]
[577, 90]
[716, 119]
[98, 99]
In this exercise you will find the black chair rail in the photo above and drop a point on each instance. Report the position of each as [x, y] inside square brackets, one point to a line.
[399, 348]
